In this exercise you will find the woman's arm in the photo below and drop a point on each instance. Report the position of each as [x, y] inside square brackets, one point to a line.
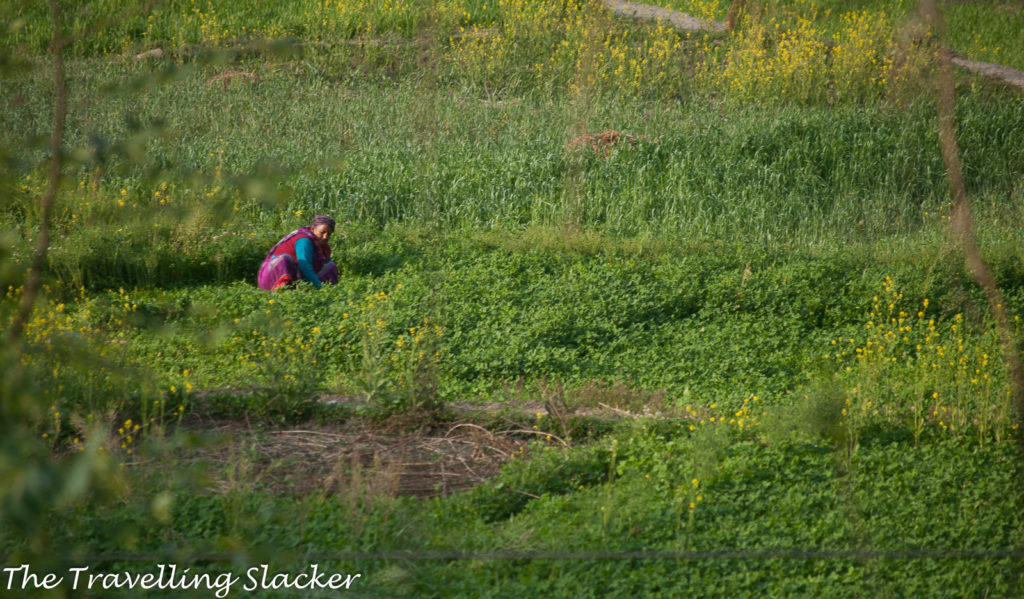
[304, 256]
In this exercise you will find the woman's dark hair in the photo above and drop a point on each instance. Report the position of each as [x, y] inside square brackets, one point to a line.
[322, 220]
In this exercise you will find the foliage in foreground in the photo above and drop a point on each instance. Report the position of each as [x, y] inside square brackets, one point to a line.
[806, 175]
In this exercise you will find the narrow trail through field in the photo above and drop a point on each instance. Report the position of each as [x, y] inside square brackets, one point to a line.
[685, 22]
[991, 70]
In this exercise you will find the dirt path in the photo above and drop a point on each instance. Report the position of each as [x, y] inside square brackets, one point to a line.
[991, 70]
[681, 21]
[685, 22]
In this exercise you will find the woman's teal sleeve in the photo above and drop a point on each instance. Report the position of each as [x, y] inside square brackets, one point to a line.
[304, 256]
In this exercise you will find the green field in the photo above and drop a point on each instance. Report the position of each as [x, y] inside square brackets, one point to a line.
[685, 310]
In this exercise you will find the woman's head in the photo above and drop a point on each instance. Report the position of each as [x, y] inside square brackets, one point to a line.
[322, 227]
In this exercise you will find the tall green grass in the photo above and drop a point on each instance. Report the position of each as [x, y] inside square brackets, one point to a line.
[388, 154]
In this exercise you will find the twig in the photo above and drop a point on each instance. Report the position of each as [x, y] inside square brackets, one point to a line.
[469, 469]
[496, 450]
[552, 406]
[617, 410]
[303, 432]
[461, 424]
[525, 493]
[542, 433]
[444, 483]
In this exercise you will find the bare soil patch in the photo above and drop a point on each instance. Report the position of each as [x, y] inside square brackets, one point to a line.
[416, 454]
[233, 75]
[679, 20]
[384, 458]
[602, 143]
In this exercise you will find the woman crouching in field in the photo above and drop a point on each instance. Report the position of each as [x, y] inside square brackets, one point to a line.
[302, 254]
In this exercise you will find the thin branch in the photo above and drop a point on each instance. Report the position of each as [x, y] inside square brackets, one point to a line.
[541, 433]
[617, 410]
[521, 492]
[38, 263]
[735, 11]
[962, 224]
[462, 424]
